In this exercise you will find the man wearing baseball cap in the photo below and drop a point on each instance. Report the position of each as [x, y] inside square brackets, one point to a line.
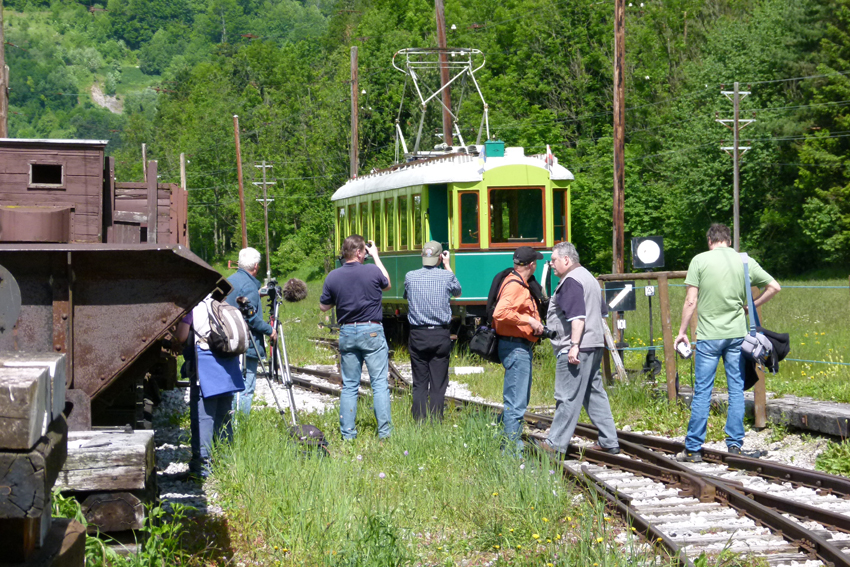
[516, 320]
[428, 291]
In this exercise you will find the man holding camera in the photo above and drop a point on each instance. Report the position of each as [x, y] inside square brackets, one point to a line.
[576, 312]
[516, 321]
[428, 291]
[356, 290]
[716, 282]
[245, 283]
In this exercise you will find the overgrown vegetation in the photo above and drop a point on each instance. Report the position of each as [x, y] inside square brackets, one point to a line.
[434, 494]
[835, 459]
[159, 542]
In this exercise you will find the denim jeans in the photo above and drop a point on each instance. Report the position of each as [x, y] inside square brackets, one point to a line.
[708, 354]
[359, 344]
[209, 422]
[516, 358]
[242, 400]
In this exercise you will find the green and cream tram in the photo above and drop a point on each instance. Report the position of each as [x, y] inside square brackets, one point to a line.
[480, 202]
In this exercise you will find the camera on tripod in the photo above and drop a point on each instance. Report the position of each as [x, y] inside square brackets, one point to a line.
[273, 290]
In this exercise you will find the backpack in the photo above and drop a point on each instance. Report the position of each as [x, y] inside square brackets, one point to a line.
[228, 329]
[533, 286]
[485, 341]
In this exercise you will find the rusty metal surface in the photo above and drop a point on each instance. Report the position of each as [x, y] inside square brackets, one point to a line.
[119, 301]
[10, 301]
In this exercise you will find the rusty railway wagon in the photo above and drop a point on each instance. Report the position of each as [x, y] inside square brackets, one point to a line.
[104, 271]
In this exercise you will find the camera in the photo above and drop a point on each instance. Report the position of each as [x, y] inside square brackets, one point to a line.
[244, 307]
[549, 333]
[271, 289]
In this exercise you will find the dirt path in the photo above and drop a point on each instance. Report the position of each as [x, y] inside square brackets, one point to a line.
[111, 103]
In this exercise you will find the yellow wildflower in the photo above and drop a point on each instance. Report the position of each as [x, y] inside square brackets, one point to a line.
[600, 540]
[545, 519]
[535, 536]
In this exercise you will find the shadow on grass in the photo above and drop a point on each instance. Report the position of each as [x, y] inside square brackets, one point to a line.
[207, 538]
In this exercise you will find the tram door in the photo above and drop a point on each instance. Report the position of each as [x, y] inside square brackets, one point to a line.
[438, 212]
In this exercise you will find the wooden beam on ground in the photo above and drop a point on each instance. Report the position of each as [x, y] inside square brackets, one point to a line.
[107, 461]
[64, 546]
[667, 334]
[114, 511]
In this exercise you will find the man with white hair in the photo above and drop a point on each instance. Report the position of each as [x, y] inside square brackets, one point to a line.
[246, 284]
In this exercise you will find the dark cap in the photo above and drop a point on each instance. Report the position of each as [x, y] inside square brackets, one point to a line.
[525, 255]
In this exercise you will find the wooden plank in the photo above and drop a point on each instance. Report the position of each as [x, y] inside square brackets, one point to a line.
[108, 198]
[153, 220]
[642, 276]
[27, 478]
[74, 185]
[129, 216]
[64, 546]
[615, 355]
[127, 233]
[99, 460]
[87, 204]
[74, 163]
[24, 411]
[55, 364]
[114, 511]
[667, 334]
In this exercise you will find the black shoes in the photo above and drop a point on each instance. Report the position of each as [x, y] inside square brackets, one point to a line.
[609, 450]
[735, 450]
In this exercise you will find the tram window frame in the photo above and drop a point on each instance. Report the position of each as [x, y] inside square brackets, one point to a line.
[517, 241]
[377, 228]
[403, 232]
[365, 229]
[352, 220]
[565, 227]
[389, 219]
[341, 224]
[418, 224]
[461, 243]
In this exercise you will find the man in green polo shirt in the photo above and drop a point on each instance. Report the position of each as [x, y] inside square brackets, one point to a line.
[716, 283]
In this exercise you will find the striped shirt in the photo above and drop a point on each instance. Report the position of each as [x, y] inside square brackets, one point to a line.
[427, 291]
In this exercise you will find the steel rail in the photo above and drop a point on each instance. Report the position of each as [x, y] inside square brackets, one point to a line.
[701, 486]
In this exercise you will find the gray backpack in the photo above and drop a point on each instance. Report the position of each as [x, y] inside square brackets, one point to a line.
[228, 330]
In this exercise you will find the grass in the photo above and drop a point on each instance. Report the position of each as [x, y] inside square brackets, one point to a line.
[440, 494]
[835, 459]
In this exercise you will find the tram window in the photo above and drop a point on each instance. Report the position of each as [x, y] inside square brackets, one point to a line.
[352, 220]
[389, 217]
[560, 214]
[402, 217]
[469, 229]
[516, 215]
[365, 229]
[417, 222]
[376, 224]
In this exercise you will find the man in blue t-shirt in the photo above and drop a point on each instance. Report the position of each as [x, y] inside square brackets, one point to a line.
[356, 290]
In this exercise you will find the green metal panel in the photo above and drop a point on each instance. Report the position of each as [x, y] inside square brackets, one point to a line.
[475, 271]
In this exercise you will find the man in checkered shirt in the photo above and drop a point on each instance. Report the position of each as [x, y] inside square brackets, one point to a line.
[428, 291]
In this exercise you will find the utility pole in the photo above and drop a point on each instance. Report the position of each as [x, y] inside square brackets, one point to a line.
[239, 175]
[4, 82]
[440, 14]
[265, 200]
[736, 151]
[355, 115]
[144, 161]
[619, 134]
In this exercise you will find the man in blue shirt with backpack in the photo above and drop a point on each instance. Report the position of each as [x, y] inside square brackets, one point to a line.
[246, 284]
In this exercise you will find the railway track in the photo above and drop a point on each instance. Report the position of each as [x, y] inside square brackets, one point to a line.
[785, 515]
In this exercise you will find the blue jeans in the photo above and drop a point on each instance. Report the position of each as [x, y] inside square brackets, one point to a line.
[516, 358]
[242, 400]
[708, 354]
[359, 344]
[209, 422]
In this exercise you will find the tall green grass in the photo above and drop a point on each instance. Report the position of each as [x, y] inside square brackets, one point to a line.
[440, 494]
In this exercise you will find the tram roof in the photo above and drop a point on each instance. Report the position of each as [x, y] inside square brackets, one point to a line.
[448, 169]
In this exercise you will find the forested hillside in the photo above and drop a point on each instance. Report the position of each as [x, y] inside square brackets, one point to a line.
[174, 72]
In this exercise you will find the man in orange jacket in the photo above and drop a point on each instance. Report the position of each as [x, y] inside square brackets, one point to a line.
[517, 322]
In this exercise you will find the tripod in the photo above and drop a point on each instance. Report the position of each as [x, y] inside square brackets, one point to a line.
[281, 371]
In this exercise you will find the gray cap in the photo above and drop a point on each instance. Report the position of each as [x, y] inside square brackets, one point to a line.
[431, 253]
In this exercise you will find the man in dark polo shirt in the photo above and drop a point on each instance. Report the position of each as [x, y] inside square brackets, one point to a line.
[356, 289]
[576, 313]
[428, 291]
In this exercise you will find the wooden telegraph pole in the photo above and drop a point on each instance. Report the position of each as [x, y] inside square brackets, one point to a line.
[619, 133]
[355, 115]
[4, 80]
[440, 13]
[239, 175]
[265, 200]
